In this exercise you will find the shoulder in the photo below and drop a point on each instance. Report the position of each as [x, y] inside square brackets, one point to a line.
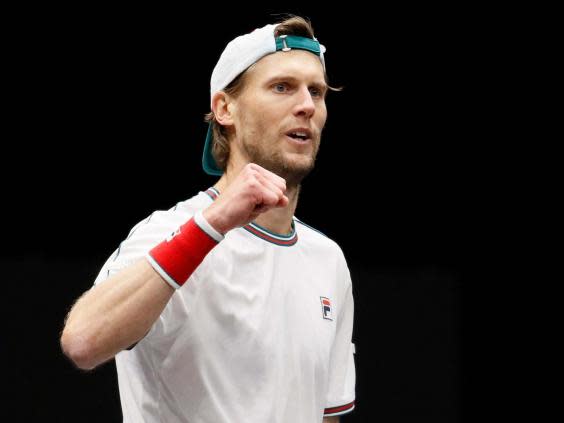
[176, 215]
[318, 239]
[327, 252]
[150, 231]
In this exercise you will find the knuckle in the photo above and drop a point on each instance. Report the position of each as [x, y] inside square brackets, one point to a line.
[253, 184]
[251, 176]
[249, 169]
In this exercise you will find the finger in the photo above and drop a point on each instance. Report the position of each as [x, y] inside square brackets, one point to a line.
[281, 198]
[267, 198]
[283, 202]
[271, 176]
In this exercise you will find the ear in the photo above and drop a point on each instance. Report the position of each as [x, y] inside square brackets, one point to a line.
[223, 106]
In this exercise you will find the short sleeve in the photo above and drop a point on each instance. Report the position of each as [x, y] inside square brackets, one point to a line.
[340, 397]
[144, 236]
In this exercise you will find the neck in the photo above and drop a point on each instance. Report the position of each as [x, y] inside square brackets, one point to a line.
[277, 220]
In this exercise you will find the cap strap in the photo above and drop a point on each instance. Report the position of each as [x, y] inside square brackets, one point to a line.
[288, 42]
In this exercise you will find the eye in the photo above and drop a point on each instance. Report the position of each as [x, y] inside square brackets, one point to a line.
[280, 87]
[315, 92]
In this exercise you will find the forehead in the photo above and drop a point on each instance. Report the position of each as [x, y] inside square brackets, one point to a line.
[298, 64]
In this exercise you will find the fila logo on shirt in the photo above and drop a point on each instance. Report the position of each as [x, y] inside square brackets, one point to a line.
[326, 308]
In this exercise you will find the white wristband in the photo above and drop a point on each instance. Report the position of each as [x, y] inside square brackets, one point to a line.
[206, 227]
[161, 271]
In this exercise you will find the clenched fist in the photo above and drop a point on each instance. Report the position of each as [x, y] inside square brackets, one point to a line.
[254, 191]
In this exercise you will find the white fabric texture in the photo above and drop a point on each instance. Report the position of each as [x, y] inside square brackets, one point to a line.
[245, 339]
[241, 53]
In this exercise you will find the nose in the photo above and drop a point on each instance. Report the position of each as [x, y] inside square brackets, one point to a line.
[305, 105]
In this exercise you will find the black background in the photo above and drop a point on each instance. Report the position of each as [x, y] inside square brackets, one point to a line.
[108, 112]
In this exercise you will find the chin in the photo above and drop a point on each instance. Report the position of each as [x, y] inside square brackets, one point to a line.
[291, 166]
[294, 171]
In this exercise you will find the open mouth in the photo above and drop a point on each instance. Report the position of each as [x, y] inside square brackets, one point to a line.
[299, 135]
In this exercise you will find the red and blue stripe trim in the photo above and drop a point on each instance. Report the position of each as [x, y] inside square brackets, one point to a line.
[263, 233]
[212, 193]
[337, 411]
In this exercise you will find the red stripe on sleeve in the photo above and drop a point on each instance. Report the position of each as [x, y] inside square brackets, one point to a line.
[339, 409]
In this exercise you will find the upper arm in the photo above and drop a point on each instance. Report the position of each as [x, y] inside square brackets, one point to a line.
[331, 419]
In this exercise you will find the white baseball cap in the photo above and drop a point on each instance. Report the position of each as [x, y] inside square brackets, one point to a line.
[241, 53]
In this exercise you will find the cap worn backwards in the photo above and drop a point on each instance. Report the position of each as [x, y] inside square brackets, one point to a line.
[241, 53]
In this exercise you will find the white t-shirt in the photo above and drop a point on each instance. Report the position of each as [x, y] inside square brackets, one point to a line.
[261, 332]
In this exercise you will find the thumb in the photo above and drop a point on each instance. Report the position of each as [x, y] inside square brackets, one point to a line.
[283, 202]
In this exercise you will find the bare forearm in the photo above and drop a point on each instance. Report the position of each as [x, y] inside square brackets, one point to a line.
[114, 315]
[331, 420]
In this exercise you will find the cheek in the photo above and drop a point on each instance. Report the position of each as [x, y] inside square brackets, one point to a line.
[264, 120]
[256, 128]
[321, 117]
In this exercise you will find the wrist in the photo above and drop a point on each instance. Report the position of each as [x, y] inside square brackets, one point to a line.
[178, 256]
[215, 220]
[207, 227]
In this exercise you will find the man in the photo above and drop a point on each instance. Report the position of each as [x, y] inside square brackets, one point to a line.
[227, 308]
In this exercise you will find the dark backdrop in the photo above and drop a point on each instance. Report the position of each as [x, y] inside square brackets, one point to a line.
[109, 108]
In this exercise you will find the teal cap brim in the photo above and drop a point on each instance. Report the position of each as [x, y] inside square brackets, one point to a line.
[210, 166]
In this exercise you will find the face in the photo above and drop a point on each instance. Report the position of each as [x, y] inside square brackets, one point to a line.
[279, 115]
